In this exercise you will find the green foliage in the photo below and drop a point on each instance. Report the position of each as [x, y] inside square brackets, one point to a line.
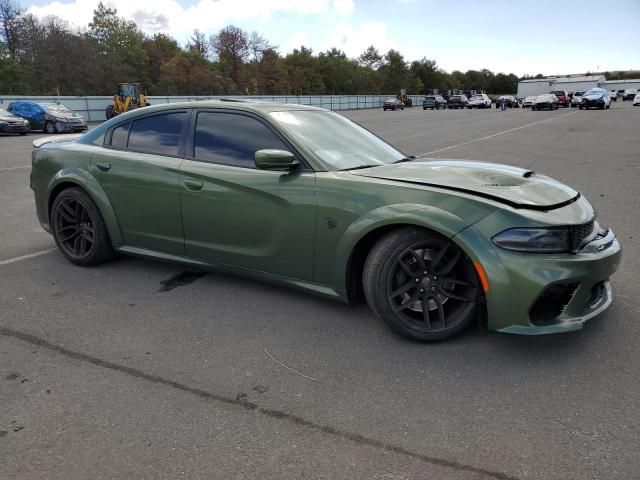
[48, 57]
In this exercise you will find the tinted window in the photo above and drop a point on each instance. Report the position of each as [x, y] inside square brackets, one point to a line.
[232, 139]
[119, 136]
[158, 134]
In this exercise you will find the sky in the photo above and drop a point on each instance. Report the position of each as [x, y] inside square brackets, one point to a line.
[518, 36]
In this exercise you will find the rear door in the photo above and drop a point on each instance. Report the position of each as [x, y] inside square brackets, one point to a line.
[139, 171]
[236, 214]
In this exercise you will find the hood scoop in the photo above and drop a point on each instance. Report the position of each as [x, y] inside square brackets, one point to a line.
[516, 187]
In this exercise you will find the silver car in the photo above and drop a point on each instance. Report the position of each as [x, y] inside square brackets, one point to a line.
[576, 99]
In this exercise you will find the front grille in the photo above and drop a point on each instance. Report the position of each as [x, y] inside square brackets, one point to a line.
[578, 233]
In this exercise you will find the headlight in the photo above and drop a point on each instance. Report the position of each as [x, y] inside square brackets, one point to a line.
[534, 240]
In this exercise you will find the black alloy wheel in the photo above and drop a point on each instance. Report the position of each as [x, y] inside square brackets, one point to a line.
[50, 127]
[422, 285]
[78, 228]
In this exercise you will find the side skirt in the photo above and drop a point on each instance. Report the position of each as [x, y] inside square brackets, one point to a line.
[298, 284]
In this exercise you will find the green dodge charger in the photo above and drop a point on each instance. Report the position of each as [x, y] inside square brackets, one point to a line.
[304, 197]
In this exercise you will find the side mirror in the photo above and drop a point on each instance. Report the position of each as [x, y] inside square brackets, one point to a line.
[269, 159]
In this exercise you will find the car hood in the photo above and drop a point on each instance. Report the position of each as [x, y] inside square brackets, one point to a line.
[5, 118]
[516, 187]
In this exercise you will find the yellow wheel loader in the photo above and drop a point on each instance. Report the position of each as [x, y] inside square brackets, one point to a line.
[129, 97]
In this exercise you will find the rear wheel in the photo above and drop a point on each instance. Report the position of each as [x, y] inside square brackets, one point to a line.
[421, 284]
[79, 230]
[50, 127]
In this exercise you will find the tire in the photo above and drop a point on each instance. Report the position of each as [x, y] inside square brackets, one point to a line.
[424, 108]
[445, 280]
[23, 133]
[88, 243]
[50, 127]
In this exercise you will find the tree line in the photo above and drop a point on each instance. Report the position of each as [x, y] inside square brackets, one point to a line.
[50, 57]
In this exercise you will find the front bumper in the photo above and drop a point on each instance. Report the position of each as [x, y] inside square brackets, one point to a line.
[9, 128]
[519, 300]
[593, 103]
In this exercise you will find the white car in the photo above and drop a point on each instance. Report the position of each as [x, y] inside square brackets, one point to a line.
[629, 94]
[528, 101]
[480, 100]
[576, 99]
[613, 94]
[636, 99]
[544, 101]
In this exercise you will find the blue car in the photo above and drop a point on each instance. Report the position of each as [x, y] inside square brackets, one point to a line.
[49, 117]
[595, 98]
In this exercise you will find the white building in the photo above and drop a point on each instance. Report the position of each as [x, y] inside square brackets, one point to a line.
[580, 84]
[534, 86]
[577, 83]
[618, 85]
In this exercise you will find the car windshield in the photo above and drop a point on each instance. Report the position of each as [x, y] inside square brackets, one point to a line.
[335, 140]
[54, 107]
[559, 92]
[578, 94]
[477, 97]
[594, 91]
[390, 100]
[456, 97]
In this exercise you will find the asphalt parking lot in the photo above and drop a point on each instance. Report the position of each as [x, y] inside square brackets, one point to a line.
[110, 373]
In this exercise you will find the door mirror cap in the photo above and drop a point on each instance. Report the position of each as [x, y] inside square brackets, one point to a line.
[269, 159]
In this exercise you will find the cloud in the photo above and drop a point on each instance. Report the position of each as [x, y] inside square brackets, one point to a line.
[354, 39]
[297, 40]
[344, 7]
[169, 16]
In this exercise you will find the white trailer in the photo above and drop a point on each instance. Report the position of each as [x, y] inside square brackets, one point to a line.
[621, 85]
[534, 86]
[579, 83]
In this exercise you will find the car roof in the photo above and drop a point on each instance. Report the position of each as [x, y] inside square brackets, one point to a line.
[257, 107]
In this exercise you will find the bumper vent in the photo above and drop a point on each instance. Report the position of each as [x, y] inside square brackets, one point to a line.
[578, 233]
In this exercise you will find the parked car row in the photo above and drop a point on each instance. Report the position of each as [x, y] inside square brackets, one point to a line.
[25, 116]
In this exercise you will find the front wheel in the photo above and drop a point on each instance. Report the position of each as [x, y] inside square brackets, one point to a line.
[50, 128]
[79, 230]
[421, 284]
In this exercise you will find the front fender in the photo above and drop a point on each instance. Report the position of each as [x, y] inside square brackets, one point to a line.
[89, 184]
[433, 218]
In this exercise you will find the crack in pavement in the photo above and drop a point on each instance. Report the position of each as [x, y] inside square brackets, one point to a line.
[241, 401]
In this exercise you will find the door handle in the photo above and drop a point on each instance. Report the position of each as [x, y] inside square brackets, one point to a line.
[194, 185]
[104, 167]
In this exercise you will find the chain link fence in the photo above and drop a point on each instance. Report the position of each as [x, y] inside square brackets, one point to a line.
[93, 108]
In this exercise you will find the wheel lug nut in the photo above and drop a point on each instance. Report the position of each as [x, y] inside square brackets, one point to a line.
[433, 289]
[435, 278]
[422, 290]
[425, 272]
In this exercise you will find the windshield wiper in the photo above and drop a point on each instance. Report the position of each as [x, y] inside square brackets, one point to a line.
[405, 159]
[359, 167]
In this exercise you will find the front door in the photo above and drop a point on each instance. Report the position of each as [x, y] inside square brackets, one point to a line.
[236, 214]
[139, 171]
